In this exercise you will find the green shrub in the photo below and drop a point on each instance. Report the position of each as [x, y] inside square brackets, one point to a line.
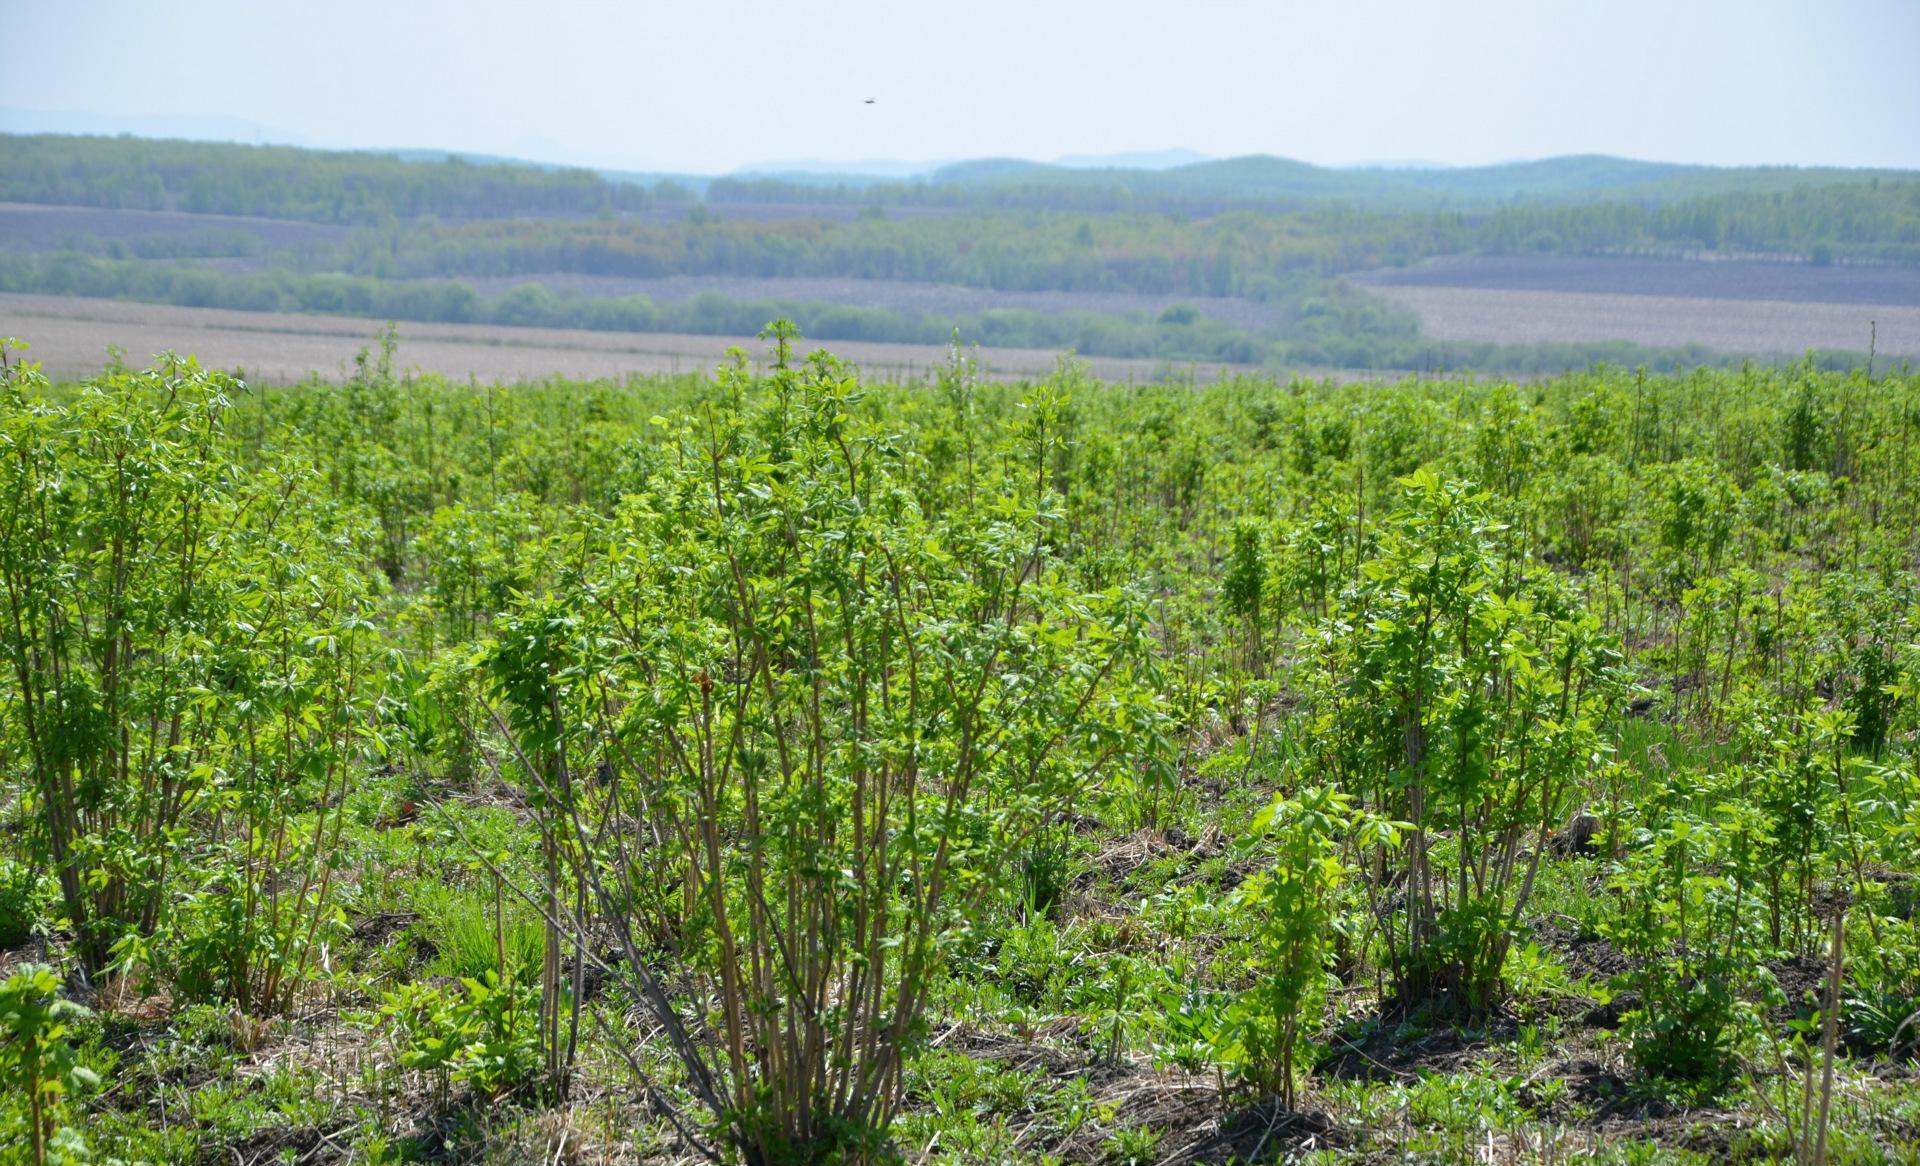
[37, 1059]
[21, 902]
[838, 712]
[1461, 687]
[483, 1033]
[189, 648]
[1288, 912]
[1684, 918]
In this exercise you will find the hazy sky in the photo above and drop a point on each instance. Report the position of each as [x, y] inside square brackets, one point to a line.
[707, 85]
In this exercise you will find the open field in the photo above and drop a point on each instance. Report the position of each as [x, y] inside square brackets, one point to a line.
[70, 337]
[1760, 327]
[40, 227]
[1694, 279]
[1761, 308]
[32, 227]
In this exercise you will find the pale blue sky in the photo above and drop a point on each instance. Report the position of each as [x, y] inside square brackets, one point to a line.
[708, 86]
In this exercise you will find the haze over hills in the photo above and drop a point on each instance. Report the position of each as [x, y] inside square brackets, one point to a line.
[897, 169]
[876, 168]
[1260, 177]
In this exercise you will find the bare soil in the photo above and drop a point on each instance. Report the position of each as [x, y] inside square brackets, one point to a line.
[1760, 327]
[1693, 279]
[70, 337]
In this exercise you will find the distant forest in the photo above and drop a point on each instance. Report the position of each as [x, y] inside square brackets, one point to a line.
[1240, 253]
[284, 182]
[406, 235]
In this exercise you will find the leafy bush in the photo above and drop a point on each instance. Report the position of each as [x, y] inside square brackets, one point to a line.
[840, 712]
[1473, 681]
[1683, 921]
[189, 644]
[21, 902]
[482, 1033]
[37, 1060]
[113, 503]
[1289, 913]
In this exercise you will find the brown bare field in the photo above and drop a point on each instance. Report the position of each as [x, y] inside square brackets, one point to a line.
[33, 227]
[1760, 327]
[70, 337]
[1713, 279]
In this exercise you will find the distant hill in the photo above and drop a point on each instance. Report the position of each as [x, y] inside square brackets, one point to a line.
[869, 171]
[987, 171]
[1137, 160]
[286, 182]
[367, 186]
[695, 182]
[1261, 177]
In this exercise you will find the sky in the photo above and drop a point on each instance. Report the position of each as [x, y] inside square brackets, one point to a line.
[708, 86]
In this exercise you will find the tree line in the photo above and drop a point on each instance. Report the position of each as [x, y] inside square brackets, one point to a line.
[285, 182]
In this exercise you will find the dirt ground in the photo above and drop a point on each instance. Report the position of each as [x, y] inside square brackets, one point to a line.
[1760, 327]
[1698, 279]
[70, 338]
